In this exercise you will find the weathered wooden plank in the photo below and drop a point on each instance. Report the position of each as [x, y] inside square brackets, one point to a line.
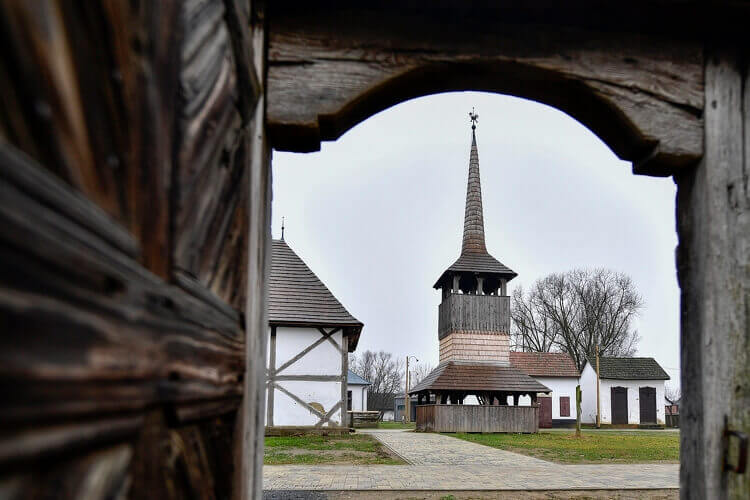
[75, 69]
[249, 450]
[87, 329]
[629, 94]
[477, 418]
[713, 214]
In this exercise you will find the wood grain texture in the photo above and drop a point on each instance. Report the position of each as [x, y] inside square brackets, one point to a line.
[210, 179]
[713, 213]
[103, 334]
[641, 94]
[89, 92]
[251, 422]
[477, 418]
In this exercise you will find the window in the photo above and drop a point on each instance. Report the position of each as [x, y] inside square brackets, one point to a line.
[564, 406]
[349, 400]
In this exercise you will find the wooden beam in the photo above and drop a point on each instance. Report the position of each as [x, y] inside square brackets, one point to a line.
[328, 71]
[309, 378]
[344, 377]
[299, 355]
[87, 329]
[338, 406]
[270, 379]
[301, 402]
[249, 452]
[713, 215]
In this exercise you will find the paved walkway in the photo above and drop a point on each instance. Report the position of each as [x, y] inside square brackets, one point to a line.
[445, 463]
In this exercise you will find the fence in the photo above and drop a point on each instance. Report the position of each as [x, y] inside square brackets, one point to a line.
[477, 418]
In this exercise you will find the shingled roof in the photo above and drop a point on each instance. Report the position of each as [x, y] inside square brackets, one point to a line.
[297, 297]
[629, 368]
[478, 377]
[544, 364]
[474, 256]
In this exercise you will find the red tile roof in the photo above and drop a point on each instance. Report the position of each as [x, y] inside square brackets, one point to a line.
[544, 364]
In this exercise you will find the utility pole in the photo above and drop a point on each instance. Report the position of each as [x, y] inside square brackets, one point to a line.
[598, 402]
[407, 406]
[407, 402]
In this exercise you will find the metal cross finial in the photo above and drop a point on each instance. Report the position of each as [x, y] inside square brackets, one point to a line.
[282, 228]
[474, 118]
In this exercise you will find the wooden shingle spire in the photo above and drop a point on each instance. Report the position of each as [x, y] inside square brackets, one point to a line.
[473, 241]
[474, 256]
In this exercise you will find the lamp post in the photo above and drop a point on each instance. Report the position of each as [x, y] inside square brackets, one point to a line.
[407, 403]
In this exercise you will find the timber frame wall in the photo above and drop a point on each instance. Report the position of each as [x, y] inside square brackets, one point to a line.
[135, 205]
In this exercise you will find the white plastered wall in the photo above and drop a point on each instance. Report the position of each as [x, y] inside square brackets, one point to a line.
[359, 397]
[588, 407]
[561, 386]
[324, 359]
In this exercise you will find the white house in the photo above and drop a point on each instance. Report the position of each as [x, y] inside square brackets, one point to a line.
[558, 372]
[631, 391]
[311, 334]
[356, 392]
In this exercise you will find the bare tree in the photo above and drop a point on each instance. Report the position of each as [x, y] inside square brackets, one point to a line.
[419, 372]
[385, 374]
[672, 393]
[574, 311]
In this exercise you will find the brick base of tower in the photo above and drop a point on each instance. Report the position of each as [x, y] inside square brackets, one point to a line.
[475, 346]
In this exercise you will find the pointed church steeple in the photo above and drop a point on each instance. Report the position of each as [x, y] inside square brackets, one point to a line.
[473, 241]
[475, 265]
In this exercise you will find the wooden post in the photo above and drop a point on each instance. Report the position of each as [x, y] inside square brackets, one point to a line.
[713, 224]
[271, 371]
[578, 411]
[598, 401]
[344, 378]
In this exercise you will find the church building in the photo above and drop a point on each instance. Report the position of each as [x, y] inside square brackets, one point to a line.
[311, 335]
[474, 319]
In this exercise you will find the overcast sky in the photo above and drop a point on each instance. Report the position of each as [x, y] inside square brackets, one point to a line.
[378, 214]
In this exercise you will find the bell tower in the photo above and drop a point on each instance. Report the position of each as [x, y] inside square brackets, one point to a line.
[474, 315]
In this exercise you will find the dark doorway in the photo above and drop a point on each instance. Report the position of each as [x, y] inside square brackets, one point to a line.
[545, 413]
[647, 400]
[619, 405]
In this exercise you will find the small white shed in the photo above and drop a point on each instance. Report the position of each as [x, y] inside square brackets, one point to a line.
[356, 392]
[631, 391]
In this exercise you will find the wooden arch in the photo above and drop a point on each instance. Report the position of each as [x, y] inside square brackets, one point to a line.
[329, 73]
[135, 194]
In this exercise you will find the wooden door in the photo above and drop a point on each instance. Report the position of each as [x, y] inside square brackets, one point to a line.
[619, 405]
[647, 400]
[545, 413]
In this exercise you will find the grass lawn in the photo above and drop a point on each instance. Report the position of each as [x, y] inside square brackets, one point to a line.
[397, 425]
[591, 447]
[351, 449]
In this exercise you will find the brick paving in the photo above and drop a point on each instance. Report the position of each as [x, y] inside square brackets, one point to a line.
[445, 463]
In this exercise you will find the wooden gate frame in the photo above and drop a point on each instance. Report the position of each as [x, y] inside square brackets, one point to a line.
[120, 119]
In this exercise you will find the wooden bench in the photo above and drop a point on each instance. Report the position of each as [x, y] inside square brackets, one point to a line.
[364, 419]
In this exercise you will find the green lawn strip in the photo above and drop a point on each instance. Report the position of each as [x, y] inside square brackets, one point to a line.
[349, 449]
[612, 447]
[396, 425]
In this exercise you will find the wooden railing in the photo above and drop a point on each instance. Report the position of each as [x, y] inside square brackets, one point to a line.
[474, 313]
[477, 418]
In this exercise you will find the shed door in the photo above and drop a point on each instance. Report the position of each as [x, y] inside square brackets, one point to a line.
[545, 412]
[619, 405]
[647, 398]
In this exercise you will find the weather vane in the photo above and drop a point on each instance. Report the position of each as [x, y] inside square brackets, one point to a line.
[474, 118]
[282, 228]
